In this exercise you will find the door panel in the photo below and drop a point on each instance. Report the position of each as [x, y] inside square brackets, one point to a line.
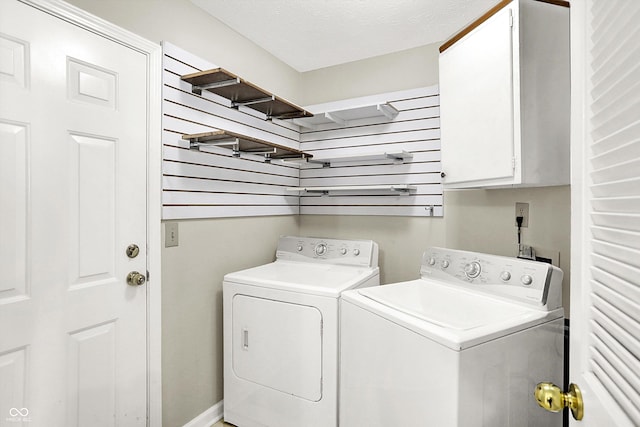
[73, 135]
[92, 392]
[13, 215]
[278, 344]
[477, 73]
[92, 169]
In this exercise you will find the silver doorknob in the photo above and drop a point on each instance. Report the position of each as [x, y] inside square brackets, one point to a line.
[136, 279]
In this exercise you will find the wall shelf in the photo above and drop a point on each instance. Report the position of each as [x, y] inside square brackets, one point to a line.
[402, 189]
[398, 157]
[243, 144]
[242, 93]
[343, 117]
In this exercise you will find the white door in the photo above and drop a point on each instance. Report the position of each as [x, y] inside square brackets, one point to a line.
[605, 269]
[73, 120]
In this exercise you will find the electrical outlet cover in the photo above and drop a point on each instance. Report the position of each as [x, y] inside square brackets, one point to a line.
[170, 234]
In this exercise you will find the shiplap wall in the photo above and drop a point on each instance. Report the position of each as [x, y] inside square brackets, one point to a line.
[416, 129]
[212, 183]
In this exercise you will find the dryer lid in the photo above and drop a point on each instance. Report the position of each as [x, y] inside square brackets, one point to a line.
[310, 278]
[450, 315]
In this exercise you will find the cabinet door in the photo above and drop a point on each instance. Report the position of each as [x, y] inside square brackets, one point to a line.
[477, 103]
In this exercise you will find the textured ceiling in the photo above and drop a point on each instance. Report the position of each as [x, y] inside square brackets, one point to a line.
[312, 34]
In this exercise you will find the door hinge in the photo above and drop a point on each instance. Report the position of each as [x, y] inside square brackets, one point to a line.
[510, 19]
[513, 163]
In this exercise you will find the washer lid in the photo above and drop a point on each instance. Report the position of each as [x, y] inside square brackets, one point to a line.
[452, 316]
[310, 278]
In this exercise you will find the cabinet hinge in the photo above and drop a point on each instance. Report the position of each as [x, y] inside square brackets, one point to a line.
[513, 163]
[510, 19]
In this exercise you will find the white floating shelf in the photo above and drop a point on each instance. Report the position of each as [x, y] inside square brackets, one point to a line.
[401, 189]
[396, 156]
[343, 117]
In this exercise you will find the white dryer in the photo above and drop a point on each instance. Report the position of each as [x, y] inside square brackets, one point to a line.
[463, 346]
[281, 331]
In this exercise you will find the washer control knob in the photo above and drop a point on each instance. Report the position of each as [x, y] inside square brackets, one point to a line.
[445, 263]
[356, 252]
[526, 280]
[320, 249]
[472, 269]
[432, 261]
[505, 276]
[343, 251]
[299, 248]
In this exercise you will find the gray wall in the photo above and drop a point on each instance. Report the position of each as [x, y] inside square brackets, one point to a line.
[192, 272]
[407, 69]
[192, 304]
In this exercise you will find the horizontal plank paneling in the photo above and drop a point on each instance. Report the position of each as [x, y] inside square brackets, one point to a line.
[416, 129]
[192, 212]
[389, 139]
[419, 145]
[417, 103]
[227, 161]
[371, 130]
[200, 171]
[206, 198]
[431, 178]
[379, 200]
[217, 116]
[407, 168]
[214, 183]
[372, 210]
[218, 185]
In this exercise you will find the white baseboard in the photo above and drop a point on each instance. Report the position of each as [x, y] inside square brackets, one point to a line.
[208, 417]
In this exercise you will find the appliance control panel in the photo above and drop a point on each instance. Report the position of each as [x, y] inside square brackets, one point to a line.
[520, 280]
[362, 253]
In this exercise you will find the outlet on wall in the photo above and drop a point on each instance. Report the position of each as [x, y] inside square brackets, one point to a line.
[170, 234]
[522, 209]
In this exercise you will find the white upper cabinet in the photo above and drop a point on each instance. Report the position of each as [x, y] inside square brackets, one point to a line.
[504, 98]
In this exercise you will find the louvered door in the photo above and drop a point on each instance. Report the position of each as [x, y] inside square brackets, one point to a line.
[605, 301]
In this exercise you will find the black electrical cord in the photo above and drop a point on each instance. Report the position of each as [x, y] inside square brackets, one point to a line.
[519, 220]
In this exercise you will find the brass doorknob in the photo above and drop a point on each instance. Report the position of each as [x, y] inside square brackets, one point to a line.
[551, 398]
[136, 279]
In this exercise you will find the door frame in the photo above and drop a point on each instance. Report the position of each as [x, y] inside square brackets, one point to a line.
[153, 53]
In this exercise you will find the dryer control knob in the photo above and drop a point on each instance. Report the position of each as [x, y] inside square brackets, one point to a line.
[356, 252]
[505, 276]
[445, 263]
[299, 248]
[526, 280]
[343, 251]
[432, 261]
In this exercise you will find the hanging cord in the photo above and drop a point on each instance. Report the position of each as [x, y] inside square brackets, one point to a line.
[519, 220]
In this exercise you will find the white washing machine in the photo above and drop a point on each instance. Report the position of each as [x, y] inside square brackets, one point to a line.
[462, 346]
[281, 331]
